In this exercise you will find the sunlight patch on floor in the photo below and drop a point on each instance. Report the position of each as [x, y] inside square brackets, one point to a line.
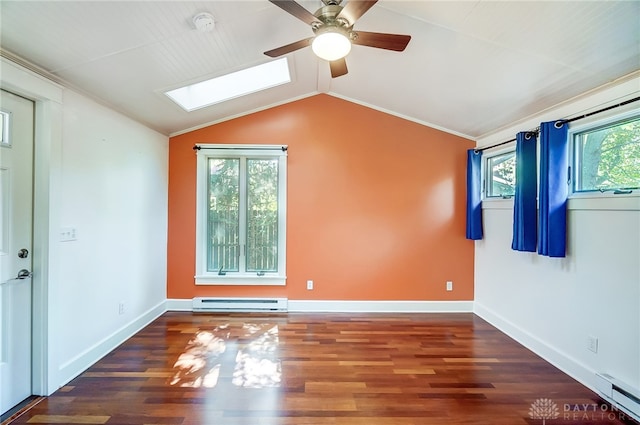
[256, 365]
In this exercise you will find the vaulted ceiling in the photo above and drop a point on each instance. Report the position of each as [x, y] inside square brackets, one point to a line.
[470, 68]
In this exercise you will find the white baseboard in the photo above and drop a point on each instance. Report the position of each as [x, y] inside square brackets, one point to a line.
[341, 306]
[176, 304]
[559, 359]
[338, 306]
[84, 360]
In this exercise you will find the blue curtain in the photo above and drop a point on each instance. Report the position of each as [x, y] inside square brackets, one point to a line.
[525, 228]
[474, 200]
[554, 189]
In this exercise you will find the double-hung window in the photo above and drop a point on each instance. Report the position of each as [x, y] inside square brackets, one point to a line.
[241, 215]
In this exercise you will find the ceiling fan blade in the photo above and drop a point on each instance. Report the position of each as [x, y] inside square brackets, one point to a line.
[396, 42]
[296, 10]
[338, 67]
[283, 50]
[355, 9]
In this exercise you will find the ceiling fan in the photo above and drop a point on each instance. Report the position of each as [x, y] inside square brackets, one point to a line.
[332, 25]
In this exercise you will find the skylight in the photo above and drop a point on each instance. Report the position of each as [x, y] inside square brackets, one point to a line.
[230, 86]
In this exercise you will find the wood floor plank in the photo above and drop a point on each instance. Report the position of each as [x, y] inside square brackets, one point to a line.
[68, 419]
[322, 369]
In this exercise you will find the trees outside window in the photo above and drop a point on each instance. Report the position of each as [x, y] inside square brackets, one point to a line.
[608, 157]
[501, 175]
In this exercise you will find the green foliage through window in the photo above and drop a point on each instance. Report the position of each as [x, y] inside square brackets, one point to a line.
[501, 175]
[243, 215]
[262, 215]
[608, 157]
[224, 215]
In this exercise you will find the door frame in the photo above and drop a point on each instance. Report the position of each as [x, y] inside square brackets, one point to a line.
[47, 96]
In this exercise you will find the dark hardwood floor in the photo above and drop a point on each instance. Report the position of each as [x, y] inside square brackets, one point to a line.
[202, 369]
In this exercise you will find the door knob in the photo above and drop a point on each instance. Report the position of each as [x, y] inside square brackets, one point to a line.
[23, 253]
[23, 274]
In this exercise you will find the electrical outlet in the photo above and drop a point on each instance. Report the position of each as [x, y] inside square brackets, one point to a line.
[309, 285]
[121, 308]
[449, 285]
[592, 343]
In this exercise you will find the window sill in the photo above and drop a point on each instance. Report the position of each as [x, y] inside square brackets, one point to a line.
[581, 201]
[497, 204]
[241, 280]
[605, 201]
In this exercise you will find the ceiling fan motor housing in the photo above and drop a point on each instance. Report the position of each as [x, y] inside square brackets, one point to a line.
[331, 2]
[328, 16]
[329, 22]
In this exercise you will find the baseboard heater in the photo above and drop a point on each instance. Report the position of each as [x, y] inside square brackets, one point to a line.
[620, 395]
[209, 304]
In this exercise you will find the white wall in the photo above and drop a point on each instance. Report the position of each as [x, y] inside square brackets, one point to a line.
[553, 305]
[106, 176]
[113, 192]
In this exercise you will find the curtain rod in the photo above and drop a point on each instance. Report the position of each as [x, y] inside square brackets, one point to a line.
[567, 120]
[253, 148]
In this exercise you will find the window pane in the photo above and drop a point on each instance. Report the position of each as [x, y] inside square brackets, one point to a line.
[4, 128]
[223, 247]
[262, 215]
[502, 175]
[608, 158]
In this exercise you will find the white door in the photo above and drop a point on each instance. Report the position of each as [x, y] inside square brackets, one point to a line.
[16, 228]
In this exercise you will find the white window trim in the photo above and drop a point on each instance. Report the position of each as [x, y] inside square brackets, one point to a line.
[205, 151]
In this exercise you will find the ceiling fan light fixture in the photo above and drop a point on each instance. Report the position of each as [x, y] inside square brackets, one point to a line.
[331, 43]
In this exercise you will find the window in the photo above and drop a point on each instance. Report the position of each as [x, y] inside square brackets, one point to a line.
[241, 215]
[607, 157]
[4, 129]
[500, 175]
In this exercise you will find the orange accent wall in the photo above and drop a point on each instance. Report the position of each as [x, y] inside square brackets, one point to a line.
[376, 204]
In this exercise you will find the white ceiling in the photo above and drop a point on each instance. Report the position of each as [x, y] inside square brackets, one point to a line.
[471, 66]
